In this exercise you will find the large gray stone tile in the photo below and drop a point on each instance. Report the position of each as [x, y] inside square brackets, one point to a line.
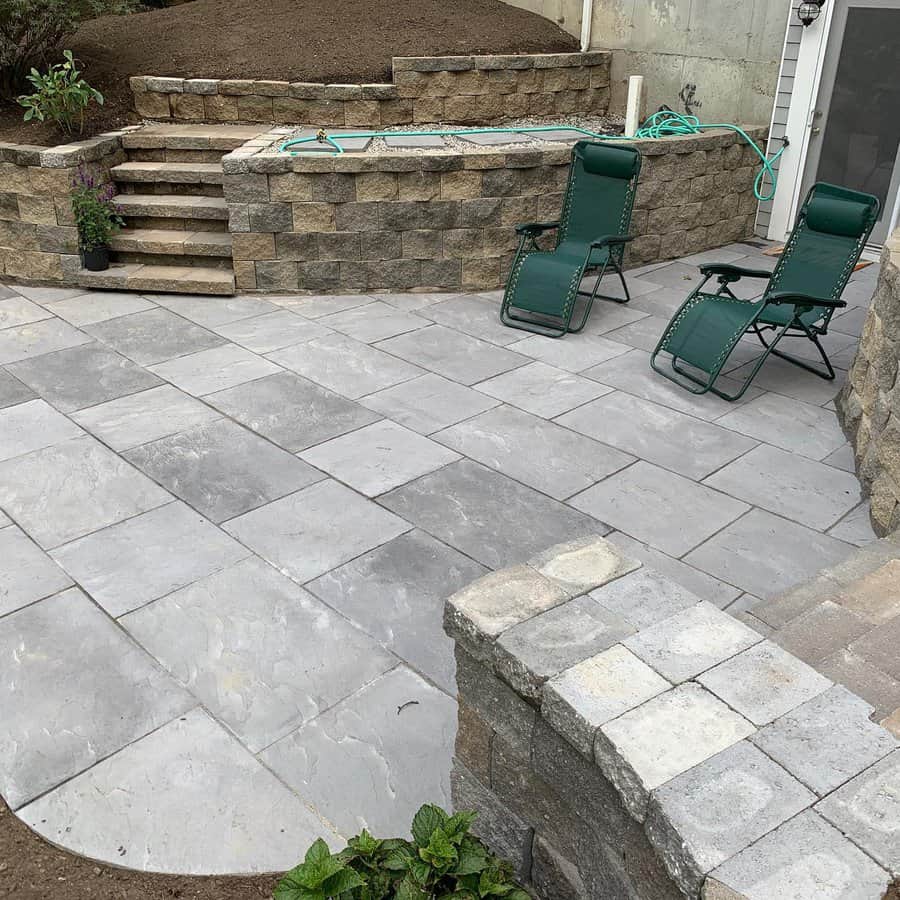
[866, 810]
[222, 469]
[154, 336]
[792, 486]
[855, 527]
[32, 426]
[379, 457]
[428, 403]
[785, 378]
[12, 391]
[666, 510]
[657, 434]
[542, 390]
[26, 572]
[486, 515]
[140, 807]
[411, 302]
[827, 740]
[308, 533]
[607, 317]
[83, 376]
[474, 315]
[397, 593]
[214, 370]
[664, 302]
[805, 857]
[644, 334]
[692, 579]
[631, 373]
[538, 453]
[344, 365]
[147, 416]
[373, 759]
[644, 597]
[317, 306]
[372, 322]
[74, 690]
[37, 338]
[213, 311]
[134, 562]
[271, 331]
[574, 352]
[291, 411]
[45, 295]
[258, 651]
[765, 555]
[790, 424]
[62, 492]
[86, 309]
[707, 815]
[457, 356]
[19, 311]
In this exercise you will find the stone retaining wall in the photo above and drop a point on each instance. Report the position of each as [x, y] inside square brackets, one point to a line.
[621, 738]
[456, 89]
[38, 239]
[445, 220]
[869, 404]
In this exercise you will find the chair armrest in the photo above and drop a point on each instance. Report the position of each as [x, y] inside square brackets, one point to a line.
[732, 273]
[536, 228]
[779, 297]
[608, 239]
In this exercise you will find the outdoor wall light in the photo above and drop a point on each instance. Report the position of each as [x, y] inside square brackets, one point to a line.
[808, 12]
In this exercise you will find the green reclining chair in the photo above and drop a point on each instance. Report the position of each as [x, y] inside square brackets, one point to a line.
[544, 285]
[802, 293]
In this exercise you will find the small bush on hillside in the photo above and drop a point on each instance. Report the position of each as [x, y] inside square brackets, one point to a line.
[61, 96]
[442, 861]
[31, 32]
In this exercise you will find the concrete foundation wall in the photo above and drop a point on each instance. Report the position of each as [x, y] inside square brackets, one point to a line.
[445, 220]
[716, 60]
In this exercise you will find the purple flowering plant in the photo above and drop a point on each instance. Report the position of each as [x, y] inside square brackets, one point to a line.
[96, 216]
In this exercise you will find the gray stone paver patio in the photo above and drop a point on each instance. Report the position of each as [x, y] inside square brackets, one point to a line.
[227, 528]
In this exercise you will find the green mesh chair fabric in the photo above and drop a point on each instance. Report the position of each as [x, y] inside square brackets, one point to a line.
[830, 233]
[597, 204]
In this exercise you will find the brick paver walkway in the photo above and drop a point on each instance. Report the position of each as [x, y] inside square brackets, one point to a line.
[227, 528]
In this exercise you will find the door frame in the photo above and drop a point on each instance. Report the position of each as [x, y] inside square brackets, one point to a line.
[800, 122]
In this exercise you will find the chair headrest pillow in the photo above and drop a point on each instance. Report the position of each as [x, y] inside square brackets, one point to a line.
[604, 159]
[835, 215]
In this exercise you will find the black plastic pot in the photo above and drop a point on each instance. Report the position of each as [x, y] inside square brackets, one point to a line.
[96, 260]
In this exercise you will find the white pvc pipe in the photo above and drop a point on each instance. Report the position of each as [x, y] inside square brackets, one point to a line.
[633, 106]
[587, 20]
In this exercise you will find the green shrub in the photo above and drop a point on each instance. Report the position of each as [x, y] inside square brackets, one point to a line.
[61, 96]
[442, 861]
[96, 216]
[31, 32]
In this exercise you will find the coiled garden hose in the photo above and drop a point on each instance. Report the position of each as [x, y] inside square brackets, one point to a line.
[664, 123]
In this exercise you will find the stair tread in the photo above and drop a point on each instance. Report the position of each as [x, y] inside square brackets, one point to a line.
[173, 241]
[171, 172]
[172, 205]
[160, 279]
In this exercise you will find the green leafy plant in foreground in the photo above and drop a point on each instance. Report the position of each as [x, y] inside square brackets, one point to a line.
[443, 860]
[61, 95]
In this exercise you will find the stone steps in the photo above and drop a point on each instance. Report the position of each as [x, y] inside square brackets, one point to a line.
[160, 279]
[172, 206]
[173, 242]
[169, 172]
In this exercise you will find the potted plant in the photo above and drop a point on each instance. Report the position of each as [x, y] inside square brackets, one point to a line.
[96, 218]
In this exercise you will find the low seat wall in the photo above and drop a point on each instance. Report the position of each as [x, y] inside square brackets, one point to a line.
[457, 89]
[619, 738]
[445, 220]
[869, 404]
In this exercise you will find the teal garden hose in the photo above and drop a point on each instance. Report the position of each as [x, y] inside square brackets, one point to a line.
[664, 123]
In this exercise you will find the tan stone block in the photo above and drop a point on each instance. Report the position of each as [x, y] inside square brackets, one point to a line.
[294, 186]
[38, 209]
[472, 82]
[421, 244]
[483, 274]
[460, 110]
[188, 107]
[220, 108]
[430, 110]
[489, 107]
[362, 113]
[515, 105]
[419, 185]
[150, 105]
[55, 182]
[36, 265]
[255, 108]
[376, 186]
[502, 81]
[464, 243]
[396, 112]
[313, 216]
[64, 214]
[253, 245]
[461, 185]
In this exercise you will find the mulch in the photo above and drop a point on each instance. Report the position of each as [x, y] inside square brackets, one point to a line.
[327, 41]
[32, 869]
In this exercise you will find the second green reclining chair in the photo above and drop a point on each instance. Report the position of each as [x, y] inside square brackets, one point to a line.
[544, 285]
[799, 300]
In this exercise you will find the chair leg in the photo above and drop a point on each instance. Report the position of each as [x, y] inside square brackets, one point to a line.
[827, 374]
